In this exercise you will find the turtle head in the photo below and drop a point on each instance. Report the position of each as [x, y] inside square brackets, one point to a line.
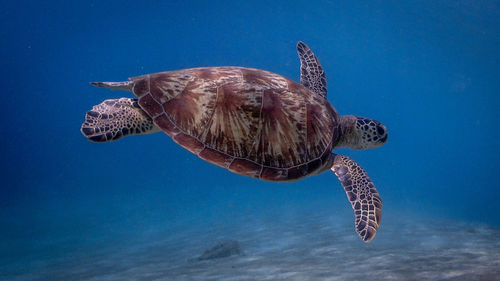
[361, 133]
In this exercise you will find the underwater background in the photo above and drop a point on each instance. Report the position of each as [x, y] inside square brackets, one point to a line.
[143, 208]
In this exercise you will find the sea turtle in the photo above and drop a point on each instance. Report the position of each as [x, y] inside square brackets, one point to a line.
[251, 122]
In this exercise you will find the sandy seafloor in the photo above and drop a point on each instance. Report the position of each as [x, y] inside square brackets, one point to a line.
[304, 247]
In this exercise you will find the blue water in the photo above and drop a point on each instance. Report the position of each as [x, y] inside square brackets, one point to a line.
[75, 210]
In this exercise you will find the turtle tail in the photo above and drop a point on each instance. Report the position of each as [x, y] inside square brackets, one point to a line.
[124, 86]
[116, 118]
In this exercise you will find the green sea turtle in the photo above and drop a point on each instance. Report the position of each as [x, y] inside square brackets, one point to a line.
[251, 122]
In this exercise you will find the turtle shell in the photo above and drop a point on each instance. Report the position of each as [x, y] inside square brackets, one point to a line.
[249, 121]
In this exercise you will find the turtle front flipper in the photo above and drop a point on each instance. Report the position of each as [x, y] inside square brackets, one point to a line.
[362, 194]
[116, 118]
[312, 75]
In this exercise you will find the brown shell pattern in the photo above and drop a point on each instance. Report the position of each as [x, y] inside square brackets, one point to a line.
[249, 121]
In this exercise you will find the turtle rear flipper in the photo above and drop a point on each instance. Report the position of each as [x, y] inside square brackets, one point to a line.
[116, 118]
[362, 194]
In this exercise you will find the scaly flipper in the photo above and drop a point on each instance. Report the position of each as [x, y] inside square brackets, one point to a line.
[116, 118]
[312, 74]
[362, 194]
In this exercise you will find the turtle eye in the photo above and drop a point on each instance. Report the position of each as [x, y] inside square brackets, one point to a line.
[380, 130]
[382, 133]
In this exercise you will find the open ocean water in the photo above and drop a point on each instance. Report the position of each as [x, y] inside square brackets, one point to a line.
[143, 208]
